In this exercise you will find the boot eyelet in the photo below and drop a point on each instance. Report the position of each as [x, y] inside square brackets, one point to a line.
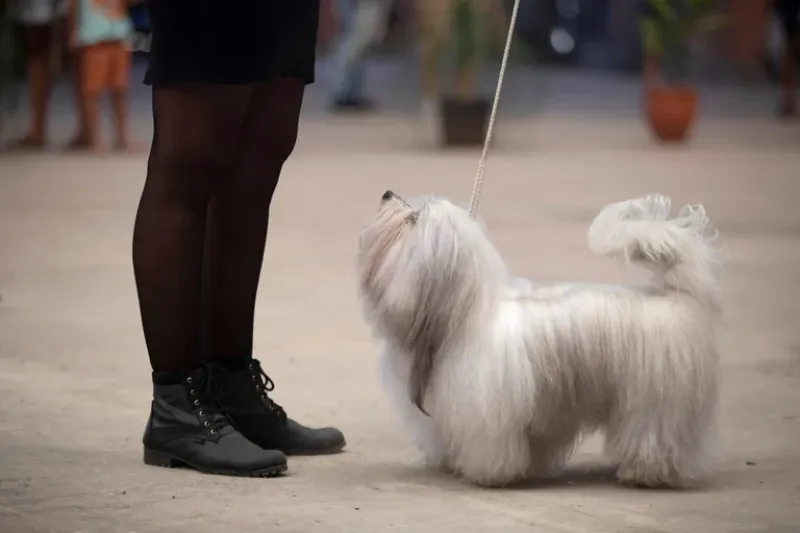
[192, 392]
[213, 431]
[189, 379]
[197, 402]
[205, 423]
[253, 377]
[201, 413]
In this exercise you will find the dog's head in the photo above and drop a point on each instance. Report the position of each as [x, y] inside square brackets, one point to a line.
[426, 269]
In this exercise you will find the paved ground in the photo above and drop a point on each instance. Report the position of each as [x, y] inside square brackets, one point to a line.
[74, 379]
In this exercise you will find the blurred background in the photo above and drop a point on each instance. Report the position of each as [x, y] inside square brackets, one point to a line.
[571, 58]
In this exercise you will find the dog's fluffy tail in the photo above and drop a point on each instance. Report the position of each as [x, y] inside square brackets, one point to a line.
[680, 250]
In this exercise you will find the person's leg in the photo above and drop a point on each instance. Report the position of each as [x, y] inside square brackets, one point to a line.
[196, 144]
[91, 121]
[37, 39]
[120, 72]
[234, 250]
[239, 218]
[195, 147]
[94, 73]
[79, 140]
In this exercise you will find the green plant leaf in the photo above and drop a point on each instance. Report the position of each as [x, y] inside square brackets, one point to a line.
[663, 9]
[463, 41]
[652, 38]
[696, 8]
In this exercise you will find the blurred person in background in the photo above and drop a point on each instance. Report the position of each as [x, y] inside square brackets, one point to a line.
[44, 26]
[788, 12]
[361, 24]
[99, 34]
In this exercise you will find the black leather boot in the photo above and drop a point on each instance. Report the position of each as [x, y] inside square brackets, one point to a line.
[187, 428]
[243, 397]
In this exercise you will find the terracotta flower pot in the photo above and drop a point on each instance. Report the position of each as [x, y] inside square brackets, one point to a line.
[671, 111]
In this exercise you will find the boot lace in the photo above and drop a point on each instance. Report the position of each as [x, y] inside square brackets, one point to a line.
[201, 394]
[264, 385]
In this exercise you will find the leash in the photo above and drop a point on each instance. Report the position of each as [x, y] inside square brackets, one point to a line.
[478, 186]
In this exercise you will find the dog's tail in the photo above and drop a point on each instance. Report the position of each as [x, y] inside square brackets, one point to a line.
[680, 250]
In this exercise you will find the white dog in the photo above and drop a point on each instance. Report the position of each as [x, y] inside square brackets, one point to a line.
[498, 378]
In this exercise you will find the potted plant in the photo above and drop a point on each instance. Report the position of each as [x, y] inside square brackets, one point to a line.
[668, 29]
[461, 113]
[465, 112]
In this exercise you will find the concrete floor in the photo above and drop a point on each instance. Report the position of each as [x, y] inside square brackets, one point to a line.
[74, 379]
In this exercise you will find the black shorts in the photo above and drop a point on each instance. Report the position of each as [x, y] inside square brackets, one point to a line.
[229, 43]
[789, 13]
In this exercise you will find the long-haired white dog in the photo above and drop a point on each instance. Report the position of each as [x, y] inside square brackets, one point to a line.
[498, 378]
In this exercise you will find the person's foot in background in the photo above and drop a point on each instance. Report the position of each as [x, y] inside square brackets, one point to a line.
[30, 142]
[80, 143]
[40, 28]
[352, 104]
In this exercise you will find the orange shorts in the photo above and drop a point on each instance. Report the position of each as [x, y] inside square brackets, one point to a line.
[104, 67]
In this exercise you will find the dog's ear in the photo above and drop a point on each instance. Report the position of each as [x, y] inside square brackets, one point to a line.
[412, 217]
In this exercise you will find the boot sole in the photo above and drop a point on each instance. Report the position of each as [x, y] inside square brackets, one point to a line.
[308, 453]
[165, 460]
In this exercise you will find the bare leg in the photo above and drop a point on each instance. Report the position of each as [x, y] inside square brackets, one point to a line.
[79, 141]
[120, 70]
[91, 118]
[122, 140]
[38, 67]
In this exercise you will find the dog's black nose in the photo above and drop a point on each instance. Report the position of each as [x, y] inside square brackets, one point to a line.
[388, 195]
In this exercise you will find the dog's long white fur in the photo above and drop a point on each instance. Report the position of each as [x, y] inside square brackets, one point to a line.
[512, 374]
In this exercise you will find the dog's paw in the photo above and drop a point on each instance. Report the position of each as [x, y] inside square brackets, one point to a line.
[638, 478]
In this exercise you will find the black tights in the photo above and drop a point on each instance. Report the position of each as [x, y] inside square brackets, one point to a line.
[201, 227]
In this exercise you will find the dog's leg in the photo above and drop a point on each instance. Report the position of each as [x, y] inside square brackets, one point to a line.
[494, 460]
[659, 432]
[430, 442]
[424, 432]
[660, 454]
